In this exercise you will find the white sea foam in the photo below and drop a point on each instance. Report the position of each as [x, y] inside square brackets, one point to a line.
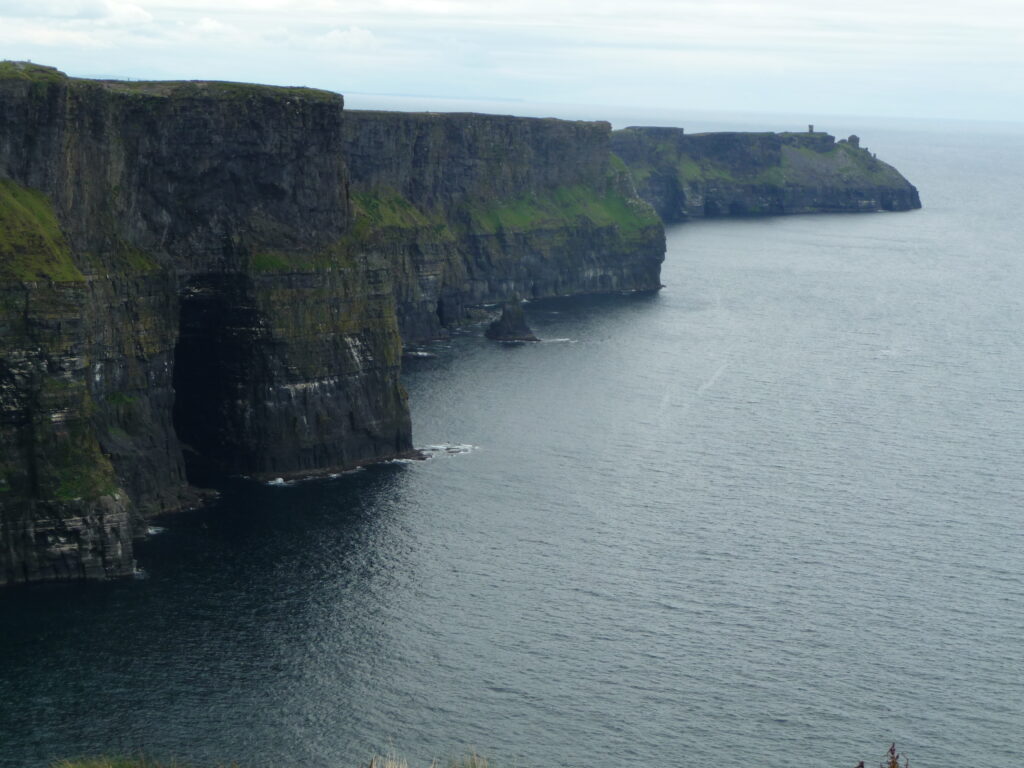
[448, 449]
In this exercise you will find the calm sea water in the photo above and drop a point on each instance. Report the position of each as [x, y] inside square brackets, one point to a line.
[769, 516]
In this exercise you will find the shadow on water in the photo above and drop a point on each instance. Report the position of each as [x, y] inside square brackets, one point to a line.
[233, 593]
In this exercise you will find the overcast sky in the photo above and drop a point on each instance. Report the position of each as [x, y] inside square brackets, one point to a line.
[942, 58]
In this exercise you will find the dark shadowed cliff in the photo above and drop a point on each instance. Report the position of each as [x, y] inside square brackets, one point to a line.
[227, 271]
[475, 208]
[747, 174]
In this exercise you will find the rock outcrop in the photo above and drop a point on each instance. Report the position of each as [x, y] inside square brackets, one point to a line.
[511, 325]
[230, 269]
[688, 176]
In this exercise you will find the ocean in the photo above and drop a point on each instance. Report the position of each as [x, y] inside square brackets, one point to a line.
[770, 515]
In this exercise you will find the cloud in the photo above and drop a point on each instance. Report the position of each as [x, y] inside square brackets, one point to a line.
[79, 13]
[349, 39]
[546, 49]
[127, 14]
[54, 9]
[212, 27]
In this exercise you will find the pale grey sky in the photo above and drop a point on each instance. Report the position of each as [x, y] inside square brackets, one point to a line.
[943, 58]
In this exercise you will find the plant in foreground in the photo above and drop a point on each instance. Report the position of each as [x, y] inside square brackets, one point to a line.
[891, 760]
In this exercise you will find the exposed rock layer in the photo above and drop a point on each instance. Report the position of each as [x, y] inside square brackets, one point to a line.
[230, 267]
[471, 209]
[747, 174]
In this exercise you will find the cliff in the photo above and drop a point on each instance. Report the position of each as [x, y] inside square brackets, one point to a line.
[226, 271]
[472, 209]
[746, 174]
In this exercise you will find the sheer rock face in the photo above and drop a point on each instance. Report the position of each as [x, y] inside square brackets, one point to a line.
[195, 264]
[476, 208]
[175, 270]
[688, 176]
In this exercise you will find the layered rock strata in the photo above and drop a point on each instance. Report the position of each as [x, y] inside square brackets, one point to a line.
[688, 176]
[226, 271]
[472, 209]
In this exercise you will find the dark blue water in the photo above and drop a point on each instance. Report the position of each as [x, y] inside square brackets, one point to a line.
[769, 516]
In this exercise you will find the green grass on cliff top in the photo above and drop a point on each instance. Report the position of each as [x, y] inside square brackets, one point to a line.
[217, 89]
[26, 70]
[32, 246]
[39, 73]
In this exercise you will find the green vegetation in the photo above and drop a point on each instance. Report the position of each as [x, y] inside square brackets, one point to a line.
[69, 463]
[690, 171]
[375, 216]
[32, 246]
[564, 206]
[218, 89]
[121, 398]
[133, 260]
[780, 161]
[274, 261]
[618, 165]
[121, 256]
[336, 256]
[388, 209]
[842, 163]
[332, 257]
[77, 467]
[26, 70]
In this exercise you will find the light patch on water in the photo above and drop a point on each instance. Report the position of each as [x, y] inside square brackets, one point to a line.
[448, 449]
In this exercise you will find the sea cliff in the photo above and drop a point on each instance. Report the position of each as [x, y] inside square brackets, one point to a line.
[471, 209]
[687, 176]
[227, 272]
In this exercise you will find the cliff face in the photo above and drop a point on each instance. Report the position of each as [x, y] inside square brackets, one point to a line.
[137, 313]
[742, 174]
[476, 208]
[193, 269]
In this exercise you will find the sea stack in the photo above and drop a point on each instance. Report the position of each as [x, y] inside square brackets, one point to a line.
[511, 326]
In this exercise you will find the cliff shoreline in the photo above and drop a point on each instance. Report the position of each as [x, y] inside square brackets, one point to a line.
[235, 270]
[687, 176]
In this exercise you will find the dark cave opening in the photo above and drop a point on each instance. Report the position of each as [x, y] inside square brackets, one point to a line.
[214, 364]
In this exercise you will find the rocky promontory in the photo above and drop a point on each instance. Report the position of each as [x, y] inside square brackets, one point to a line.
[687, 176]
[228, 271]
